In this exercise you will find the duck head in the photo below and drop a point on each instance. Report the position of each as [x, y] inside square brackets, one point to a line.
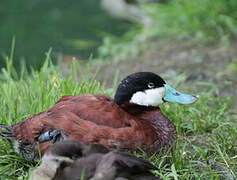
[149, 89]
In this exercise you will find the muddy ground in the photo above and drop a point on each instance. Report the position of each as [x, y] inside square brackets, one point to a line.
[197, 68]
[201, 66]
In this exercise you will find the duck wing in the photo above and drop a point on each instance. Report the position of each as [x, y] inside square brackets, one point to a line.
[95, 108]
[91, 119]
[135, 135]
[67, 111]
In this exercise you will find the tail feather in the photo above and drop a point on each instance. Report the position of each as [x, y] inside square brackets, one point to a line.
[5, 132]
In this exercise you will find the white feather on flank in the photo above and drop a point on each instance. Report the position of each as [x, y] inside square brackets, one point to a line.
[150, 97]
[16, 146]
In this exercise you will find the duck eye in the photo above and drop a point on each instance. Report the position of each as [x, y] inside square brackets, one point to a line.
[56, 160]
[151, 85]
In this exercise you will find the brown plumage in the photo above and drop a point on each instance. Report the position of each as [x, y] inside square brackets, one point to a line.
[127, 122]
[90, 119]
[70, 160]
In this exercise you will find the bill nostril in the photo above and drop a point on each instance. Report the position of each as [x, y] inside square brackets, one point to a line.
[195, 97]
[176, 94]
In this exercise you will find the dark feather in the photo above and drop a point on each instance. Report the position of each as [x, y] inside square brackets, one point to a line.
[5, 132]
[125, 165]
[124, 160]
[96, 165]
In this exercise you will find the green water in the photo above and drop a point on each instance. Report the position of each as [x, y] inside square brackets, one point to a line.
[68, 26]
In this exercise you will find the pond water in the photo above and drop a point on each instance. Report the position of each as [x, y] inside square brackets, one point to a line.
[70, 27]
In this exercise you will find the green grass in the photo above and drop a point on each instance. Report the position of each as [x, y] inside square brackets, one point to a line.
[205, 148]
[188, 21]
[232, 66]
[204, 20]
[31, 93]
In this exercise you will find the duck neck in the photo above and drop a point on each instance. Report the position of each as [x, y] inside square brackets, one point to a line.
[163, 126]
[153, 115]
[138, 110]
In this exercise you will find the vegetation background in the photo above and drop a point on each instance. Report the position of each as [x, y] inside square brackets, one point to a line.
[192, 44]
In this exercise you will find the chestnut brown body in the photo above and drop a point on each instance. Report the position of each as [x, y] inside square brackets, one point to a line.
[96, 119]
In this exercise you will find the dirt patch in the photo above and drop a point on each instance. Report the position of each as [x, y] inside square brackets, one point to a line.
[207, 63]
[198, 63]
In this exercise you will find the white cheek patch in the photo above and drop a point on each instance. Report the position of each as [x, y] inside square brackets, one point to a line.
[151, 97]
